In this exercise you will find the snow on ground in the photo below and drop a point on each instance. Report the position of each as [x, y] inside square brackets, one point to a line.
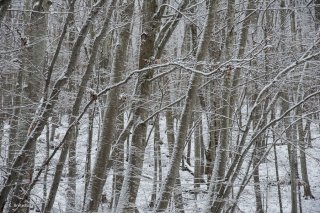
[246, 202]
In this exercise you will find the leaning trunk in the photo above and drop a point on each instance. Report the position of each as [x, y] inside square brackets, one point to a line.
[98, 174]
[186, 113]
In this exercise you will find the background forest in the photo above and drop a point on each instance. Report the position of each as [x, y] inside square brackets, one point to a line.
[160, 106]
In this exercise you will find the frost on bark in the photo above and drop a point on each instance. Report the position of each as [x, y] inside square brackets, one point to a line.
[157, 162]
[257, 121]
[221, 152]
[317, 14]
[303, 135]
[177, 195]
[87, 174]
[291, 134]
[72, 141]
[303, 160]
[33, 59]
[215, 203]
[258, 153]
[131, 181]
[14, 120]
[151, 48]
[69, 136]
[213, 122]
[118, 162]
[221, 158]
[46, 108]
[227, 105]
[198, 140]
[72, 172]
[2, 106]
[98, 176]
[292, 151]
[201, 55]
[276, 164]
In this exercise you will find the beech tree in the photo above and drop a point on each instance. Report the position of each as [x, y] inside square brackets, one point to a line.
[159, 105]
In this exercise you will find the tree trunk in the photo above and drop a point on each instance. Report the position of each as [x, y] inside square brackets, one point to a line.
[131, 183]
[75, 111]
[276, 165]
[221, 159]
[256, 175]
[14, 120]
[72, 172]
[303, 159]
[215, 203]
[118, 164]
[34, 65]
[45, 175]
[91, 115]
[177, 195]
[291, 131]
[214, 127]
[227, 105]
[189, 143]
[202, 152]
[307, 132]
[2, 113]
[258, 153]
[98, 175]
[291, 154]
[54, 126]
[39, 123]
[197, 157]
[156, 167]
[277, 177]
[317, 14]
[72, 162]
[186, 113]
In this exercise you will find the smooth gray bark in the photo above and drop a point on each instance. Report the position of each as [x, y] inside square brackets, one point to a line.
[290, 128]
[171, 141]
[45, 175]
[88, 155]
[317, 14]
[75, 112]
[197, 156]
[151, 48]
[118, 162]
[72, 172]
[151, 21]
[72, 163]
[260, 142]
[303, 160]
[2, 113]
[14, 120]
[221, 155]
[156, 166]
[276, 167]
[242, 151]
[33, 59]
[39, 123]
[186, 112]
[98, 175]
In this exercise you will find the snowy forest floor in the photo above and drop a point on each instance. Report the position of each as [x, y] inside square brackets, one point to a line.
[246, 202]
